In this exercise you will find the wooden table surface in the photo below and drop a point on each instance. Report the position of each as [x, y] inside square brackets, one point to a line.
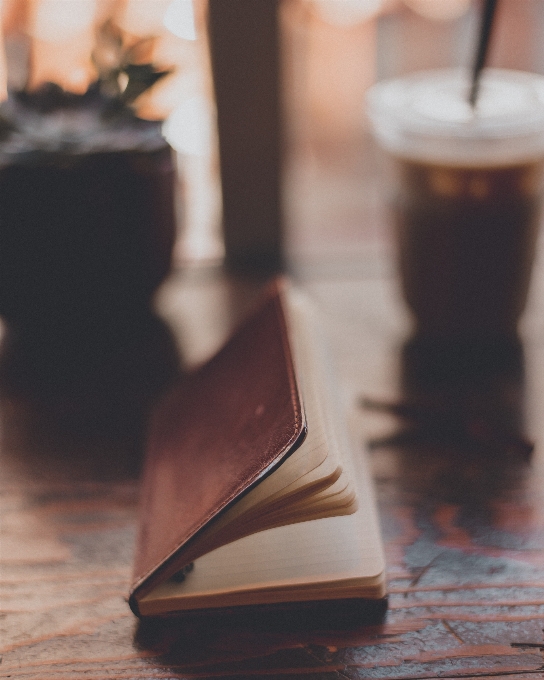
[461, 497]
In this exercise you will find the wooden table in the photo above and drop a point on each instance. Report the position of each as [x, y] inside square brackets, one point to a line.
[462, 514]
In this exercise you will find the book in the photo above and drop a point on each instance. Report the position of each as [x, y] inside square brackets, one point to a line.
[250, 476]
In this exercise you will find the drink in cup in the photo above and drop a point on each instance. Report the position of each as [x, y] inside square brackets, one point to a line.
[467, 195]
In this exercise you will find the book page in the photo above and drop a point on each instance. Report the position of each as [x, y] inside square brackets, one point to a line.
[319, 559]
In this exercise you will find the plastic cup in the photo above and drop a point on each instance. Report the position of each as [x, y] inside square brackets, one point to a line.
[467, 195]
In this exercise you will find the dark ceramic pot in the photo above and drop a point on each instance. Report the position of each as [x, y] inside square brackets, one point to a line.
[84, 233]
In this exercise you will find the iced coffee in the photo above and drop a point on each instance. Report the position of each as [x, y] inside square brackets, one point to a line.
[467, 197]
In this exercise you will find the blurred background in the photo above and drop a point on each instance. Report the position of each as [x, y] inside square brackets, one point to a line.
[333, 178]
[331, 52]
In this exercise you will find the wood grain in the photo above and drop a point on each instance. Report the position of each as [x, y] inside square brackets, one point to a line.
[464, 530]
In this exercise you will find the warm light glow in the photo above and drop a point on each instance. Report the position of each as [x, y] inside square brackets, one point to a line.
[67, 64]
[3, 66]
[180, 19]
[175, 53]
[14, 16]
[63, 40]
[143, 17]
[440, 10]
[61, 20]
[158, 102]
[201, 209]
[188, 129]
[348, 12]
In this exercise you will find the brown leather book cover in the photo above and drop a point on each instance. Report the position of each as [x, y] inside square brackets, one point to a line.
[215, 436]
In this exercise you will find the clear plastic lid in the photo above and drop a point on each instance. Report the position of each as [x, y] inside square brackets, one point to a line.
[426, 116]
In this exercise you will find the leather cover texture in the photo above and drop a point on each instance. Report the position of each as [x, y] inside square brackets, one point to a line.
[213, 437]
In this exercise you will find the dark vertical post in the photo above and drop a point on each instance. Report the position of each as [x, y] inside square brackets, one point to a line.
[245, 56]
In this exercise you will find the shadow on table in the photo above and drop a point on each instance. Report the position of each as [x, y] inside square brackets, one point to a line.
[468, 402]
[76, 394]
[260, 636]
[462, 404]
[461, 462]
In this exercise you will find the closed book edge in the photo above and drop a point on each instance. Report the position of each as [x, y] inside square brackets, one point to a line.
[213, 438]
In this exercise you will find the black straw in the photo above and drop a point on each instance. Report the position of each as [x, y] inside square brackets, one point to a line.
[486, 27]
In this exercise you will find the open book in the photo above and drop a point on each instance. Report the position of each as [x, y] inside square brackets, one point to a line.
[250, 475]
